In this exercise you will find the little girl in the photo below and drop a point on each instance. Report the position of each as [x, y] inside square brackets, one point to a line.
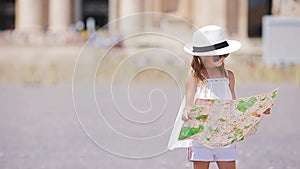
[207, 79]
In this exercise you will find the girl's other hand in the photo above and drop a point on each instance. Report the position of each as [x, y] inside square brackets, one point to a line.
[185, 116]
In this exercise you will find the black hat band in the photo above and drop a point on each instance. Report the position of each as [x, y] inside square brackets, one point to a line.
[211, 48]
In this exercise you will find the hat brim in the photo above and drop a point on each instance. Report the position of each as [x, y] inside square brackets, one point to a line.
[233, 46]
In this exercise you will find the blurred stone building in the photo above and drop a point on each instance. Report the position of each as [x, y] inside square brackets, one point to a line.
[50, 26]
[241, 18]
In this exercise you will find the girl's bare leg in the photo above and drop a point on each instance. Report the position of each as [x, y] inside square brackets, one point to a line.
[226, 164]
[201, 164]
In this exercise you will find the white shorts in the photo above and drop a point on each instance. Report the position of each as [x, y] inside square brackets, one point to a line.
[200, 153]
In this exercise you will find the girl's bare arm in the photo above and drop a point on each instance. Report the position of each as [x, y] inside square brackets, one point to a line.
[190, 89]
[231, 84]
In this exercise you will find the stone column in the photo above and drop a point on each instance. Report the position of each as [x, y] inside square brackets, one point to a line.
[113, 14]
[232, 17]
[29, 15]
[130, 24]
[157, 6]
[220, 15]
[184, 9]
[148, 21]
[199, 12]
[59, 15]
[243, 19]
[128, 7]
[209, 12]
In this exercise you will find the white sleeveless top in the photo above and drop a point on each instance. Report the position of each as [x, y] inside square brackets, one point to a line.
[216, 88]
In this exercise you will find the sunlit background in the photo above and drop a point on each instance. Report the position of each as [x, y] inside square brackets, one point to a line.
[46, 46]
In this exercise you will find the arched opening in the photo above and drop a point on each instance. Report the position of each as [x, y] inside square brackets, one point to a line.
[97, 9]
[7, 14]
[256, 10]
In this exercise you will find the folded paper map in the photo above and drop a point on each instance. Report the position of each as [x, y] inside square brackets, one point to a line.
[223, 122]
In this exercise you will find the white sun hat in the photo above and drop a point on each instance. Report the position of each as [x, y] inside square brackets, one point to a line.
[209, 41]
